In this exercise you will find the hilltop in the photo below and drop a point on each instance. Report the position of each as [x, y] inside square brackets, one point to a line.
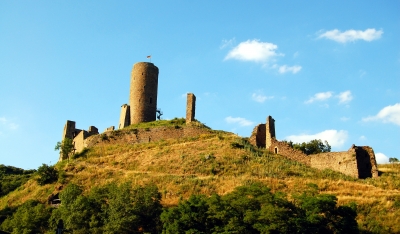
[198, 160]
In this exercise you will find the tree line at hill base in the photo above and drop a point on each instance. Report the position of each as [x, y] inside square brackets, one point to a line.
[125, 209]
[12, 177]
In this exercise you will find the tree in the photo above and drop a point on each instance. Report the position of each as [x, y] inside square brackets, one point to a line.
[66, 148]
[255, 209]
[109, 209]
[12, 177]
[47, 174]
[132, 210]
[189, 216]
[30, 217]
[393, 160]
[313, 147]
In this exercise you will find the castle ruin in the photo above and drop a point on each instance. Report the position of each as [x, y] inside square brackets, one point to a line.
[78, 136]
[358, 161]
[142, 106]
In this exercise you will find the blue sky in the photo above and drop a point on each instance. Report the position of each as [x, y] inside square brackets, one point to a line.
[325, 69]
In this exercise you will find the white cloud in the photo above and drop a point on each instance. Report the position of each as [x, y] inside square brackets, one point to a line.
[259, 97]
[254, 50]
[257, 51]
[241, 121]
[8, 124]
[389, 114]
[319, 97]
[352, 35]
[381, 158]
[335, 138]
[344, 97]
[227, 43]
[293, 69]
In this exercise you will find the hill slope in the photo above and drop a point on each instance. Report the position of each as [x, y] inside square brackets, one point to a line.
[213, 162]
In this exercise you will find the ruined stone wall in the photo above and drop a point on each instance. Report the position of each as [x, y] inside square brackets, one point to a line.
[257, 137]
[93, 130]
[366, 162]
[284, 149]
[358, 161]
[143, 92]
[133, 136]
[269, 131]
[69, 130]
[79, 141]
[125, 117]
[344, 162]
[109, 129]
[190, 107]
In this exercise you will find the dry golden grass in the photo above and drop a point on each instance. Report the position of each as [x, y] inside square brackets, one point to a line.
[211, 164]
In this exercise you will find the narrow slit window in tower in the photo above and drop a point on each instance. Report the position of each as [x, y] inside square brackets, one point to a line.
[151, 100]
[276, 150]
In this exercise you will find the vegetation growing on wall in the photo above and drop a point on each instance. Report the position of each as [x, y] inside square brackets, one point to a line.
[312, 147]
[66, 148]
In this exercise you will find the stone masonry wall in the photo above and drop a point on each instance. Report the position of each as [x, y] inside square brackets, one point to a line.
[80, 139]
[358, 161]
[269, 131]
[366, 162]
[133, 136]
[284, 149]
[190, 107]
[257, 137]
[344, 162]
[69, 130]
[125, 117]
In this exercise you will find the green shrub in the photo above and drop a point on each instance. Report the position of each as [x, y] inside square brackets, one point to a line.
[30, 218]
[254, 209]
[46, 174]
[12, 177]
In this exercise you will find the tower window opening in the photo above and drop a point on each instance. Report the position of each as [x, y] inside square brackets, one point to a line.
[151, 100]
[276, 150]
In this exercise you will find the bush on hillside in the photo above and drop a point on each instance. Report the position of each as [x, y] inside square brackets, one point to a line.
[254, 209]
[12, 177]
[29, 218]
[46, 174]
[109, 209]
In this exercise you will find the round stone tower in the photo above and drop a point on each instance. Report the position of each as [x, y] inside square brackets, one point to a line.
[143, 93]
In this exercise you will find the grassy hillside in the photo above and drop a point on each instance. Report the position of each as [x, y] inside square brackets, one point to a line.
[215, 162]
